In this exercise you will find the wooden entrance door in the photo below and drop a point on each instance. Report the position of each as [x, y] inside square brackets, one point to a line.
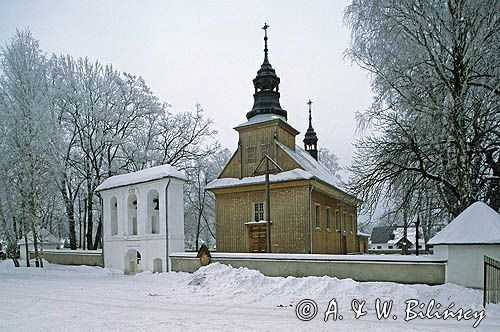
[258, 238]
[344, 244]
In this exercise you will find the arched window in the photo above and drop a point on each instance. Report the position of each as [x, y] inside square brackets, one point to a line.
[132, 214]
[114, 216]
[153, 225]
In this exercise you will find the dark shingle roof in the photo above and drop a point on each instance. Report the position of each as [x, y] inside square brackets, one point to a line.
[382, 234]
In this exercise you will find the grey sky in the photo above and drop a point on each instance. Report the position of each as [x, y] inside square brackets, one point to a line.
[209, 52]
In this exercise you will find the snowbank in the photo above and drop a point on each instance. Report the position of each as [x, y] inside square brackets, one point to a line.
[214, 298]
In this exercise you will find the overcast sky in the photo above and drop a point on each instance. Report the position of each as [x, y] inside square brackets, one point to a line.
[208, 52]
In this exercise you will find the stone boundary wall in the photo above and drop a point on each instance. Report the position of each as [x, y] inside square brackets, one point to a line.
[400, 269]
[72, 257]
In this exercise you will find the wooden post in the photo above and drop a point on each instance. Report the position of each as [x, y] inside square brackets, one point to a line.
[484, 282]
[405, 232]
[268, 209]
[417, 225]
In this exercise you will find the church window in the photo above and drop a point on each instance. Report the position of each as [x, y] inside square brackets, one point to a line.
[353, 224]
[344, 221]
[318, 216]
[328, 218]
[259, 211]
[251, 154]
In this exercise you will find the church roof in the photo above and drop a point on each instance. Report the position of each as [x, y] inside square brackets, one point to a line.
[313, 166]
[310, 137]
[261, 118]
[145, 175]
[266, 84]
[478, 224]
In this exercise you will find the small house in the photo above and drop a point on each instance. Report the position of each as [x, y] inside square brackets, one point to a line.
[391, 238]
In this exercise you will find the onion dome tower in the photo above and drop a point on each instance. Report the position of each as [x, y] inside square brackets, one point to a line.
[311, 140]
[266, 83]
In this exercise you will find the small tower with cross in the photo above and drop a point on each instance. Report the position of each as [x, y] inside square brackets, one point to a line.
[311, 140]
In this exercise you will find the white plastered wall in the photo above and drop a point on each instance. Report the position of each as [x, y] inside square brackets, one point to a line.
[149, 245]
[465, 262]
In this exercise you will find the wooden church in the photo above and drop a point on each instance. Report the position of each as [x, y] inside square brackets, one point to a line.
[269, 177]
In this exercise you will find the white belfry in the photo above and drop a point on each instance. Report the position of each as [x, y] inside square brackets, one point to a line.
[143, 219]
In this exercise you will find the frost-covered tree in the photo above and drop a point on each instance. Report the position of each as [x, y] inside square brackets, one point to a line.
[433, 128]
[68, 124]
[199, 203]
[28, 128]
[331, 161]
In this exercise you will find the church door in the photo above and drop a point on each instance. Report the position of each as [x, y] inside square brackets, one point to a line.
[258, 238]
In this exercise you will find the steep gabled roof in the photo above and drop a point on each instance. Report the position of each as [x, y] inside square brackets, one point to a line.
[382, 234]
[478, 224]
[145, 175]
[311, 165]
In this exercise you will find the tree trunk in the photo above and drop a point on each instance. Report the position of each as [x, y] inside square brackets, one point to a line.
[70, 212]
[89, 215]
[80, 223]
[98, 233]
[84, 223]
[26, 246]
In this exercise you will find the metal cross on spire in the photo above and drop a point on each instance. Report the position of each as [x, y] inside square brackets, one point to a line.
[310, 117]
[265, 40]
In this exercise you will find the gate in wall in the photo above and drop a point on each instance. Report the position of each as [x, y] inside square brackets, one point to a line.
[491, 287]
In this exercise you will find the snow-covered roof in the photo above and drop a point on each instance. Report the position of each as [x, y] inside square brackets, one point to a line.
[294, 174]
[478, 224]
[145, 175]
[42, 234]
[306, 161]
[261, 118]
[411, 235]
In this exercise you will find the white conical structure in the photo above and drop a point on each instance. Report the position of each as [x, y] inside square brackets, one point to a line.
[478, 224]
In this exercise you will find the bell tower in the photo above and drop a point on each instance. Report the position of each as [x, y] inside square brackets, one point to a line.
[266, 84]
[311, 140]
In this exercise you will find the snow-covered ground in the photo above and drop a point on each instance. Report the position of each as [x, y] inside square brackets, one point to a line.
[215, 298]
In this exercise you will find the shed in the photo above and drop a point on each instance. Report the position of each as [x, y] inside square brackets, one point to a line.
[464, 242]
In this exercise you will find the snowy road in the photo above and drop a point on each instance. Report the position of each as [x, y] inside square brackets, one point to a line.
[216, 298]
